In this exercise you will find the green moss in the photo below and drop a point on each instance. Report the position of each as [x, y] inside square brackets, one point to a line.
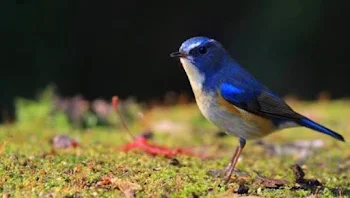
[28, 167]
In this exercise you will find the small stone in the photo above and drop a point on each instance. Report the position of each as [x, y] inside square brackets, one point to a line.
[242, 189]
[174, 162]
[221, 134]
[147, 134]
[164, 196]
[194, 195]
[156, 169]
[63, 141]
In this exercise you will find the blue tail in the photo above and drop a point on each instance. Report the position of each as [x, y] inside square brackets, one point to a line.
[313, 125]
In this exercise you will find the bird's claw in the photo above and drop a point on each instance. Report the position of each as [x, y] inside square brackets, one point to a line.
[225, 172]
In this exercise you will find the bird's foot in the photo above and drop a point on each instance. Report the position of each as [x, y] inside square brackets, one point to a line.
[237, 173]
[220, 173]
[224, 172]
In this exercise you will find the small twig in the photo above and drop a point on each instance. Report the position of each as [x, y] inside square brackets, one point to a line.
[115, 102]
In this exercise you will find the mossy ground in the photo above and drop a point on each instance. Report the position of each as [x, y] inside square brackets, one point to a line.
[96, 168]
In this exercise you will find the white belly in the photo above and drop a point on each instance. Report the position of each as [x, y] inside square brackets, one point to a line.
[231, 123]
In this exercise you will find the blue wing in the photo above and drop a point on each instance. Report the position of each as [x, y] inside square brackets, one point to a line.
[257, 101]
[262, 102]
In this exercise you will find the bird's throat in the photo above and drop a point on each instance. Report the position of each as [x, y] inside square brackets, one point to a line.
[195, 77]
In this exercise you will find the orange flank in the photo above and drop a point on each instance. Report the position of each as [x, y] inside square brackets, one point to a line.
[265, 125]
[228, 106]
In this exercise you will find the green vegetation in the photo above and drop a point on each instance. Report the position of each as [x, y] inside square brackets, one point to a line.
[32, 167]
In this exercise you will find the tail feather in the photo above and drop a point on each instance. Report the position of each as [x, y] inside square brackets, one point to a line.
[317, 127]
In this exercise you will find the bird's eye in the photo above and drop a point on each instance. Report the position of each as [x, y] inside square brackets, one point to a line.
[202, 50]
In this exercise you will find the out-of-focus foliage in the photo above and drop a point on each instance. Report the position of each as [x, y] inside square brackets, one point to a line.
[51, 110]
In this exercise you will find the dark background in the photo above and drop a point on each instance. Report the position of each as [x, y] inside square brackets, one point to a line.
[99, 49]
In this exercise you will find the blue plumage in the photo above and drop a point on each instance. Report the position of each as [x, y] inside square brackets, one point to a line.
[313, 125]
[228, 89]
[230, 97]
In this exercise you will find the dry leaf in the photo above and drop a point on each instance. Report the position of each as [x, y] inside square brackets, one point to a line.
[128, 188]
[269, 182]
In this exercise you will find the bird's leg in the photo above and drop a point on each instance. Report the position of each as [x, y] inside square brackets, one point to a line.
[229, 169]
[229, 166]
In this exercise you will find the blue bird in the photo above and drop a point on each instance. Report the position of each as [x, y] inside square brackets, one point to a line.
[233, 100]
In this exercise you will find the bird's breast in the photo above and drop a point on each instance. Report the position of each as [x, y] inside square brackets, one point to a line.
[232, 119]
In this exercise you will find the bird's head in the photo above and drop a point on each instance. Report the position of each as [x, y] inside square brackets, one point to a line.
[201, 58]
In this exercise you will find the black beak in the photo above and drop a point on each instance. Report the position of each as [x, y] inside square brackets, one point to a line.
[177, 55]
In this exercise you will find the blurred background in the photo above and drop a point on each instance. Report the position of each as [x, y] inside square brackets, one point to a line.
[122, 48]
